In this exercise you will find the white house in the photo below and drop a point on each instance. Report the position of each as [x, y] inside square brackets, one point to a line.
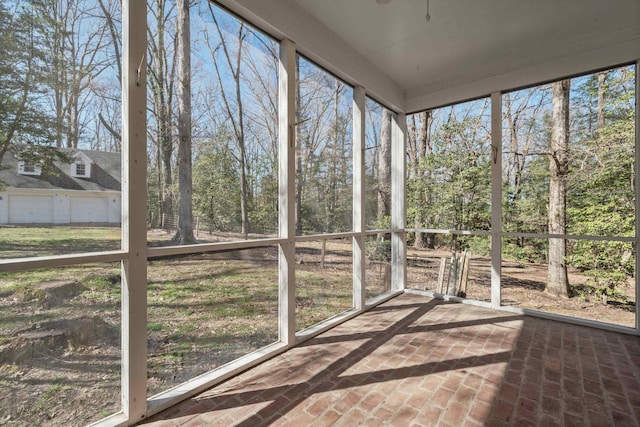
[86, 191]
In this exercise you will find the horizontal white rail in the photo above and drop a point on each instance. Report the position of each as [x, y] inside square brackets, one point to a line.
[526, 235]
[448, 231]
[21, 264]
[212, 247]
[330, 236]
[319, 237]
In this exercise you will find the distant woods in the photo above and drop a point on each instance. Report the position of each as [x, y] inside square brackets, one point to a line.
[60, 73]
[213, 136]
[567, 168]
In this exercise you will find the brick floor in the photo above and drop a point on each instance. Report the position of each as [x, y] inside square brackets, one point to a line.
[415, 361]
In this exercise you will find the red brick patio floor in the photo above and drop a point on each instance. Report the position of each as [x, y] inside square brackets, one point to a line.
[416, 361]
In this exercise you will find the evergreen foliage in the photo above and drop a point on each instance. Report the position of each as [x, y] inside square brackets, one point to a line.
[448, 185]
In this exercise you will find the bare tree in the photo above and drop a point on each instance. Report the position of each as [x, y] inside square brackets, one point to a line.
[76, 47]
[336, 163]
[161, 76]
[184, 233]
[314, 134]
[384, 168]
[109, 105]
[232, 100]
[109, 10]
[261, 79]
[419, 147]
[522, 115]
[558, 282]
[299, 160]
[602, 76]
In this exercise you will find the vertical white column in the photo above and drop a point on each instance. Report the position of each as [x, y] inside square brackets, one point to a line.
[637, 196]
[359, 220]
[286, 183]
[134, 207]
[398, 201]
[496, 197]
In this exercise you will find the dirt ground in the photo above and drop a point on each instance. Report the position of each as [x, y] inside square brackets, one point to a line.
[523, 286]
[205, 310]
[58, 372]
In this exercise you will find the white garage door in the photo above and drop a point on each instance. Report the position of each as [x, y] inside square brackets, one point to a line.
[30, 209]
[89, 209]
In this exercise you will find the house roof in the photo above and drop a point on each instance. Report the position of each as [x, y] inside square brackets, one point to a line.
[105, 173]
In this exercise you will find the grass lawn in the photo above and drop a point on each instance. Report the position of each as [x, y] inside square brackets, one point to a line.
[203, 310]
[21, 242]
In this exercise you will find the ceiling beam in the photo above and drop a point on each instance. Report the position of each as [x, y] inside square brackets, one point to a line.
[428, 97]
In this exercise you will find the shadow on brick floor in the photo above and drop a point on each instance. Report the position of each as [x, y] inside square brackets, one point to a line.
[420, 361]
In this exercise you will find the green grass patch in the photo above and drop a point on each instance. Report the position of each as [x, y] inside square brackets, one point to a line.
[93, 276]
[55, 388]
[155, 327]
[203, 310]
[20, 242]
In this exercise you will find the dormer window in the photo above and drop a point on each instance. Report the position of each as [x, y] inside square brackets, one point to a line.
[81, 167]
[28, 168]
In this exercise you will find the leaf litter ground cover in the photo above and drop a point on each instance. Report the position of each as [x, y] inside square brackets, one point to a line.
[60, 354]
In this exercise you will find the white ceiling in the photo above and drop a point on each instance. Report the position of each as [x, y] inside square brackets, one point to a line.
[467, 49]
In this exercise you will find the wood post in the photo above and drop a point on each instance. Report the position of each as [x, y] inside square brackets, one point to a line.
[134, 205]
[286, 183]
[443, 267]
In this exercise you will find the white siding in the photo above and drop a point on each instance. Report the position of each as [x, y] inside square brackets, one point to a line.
[89, 209]
[30, 209]
[4, 208]
[114, 209]
[61, 208]
[24, 206]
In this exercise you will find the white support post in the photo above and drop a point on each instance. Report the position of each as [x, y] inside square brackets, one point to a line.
[286, 200]
[134, 205]
[496, 198]
[398, 201]
[359, 220]
[637, 196]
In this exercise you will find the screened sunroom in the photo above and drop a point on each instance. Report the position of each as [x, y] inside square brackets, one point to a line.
[377, 212]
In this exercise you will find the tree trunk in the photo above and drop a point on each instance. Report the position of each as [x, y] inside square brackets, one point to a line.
[57, 74]
[244, 196]
[298, 147]
[244, 191]
[424, 148]
[161, 83]
[558, 283]
[184, 234]
[73, 131]
[601, 101]
[159, 221]
[518, 165]
[332, 203]
[111, 24]
[236, 118]
[166, 148]
[165, 140]
[413, 165]
[73, 63]
[384, 168]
